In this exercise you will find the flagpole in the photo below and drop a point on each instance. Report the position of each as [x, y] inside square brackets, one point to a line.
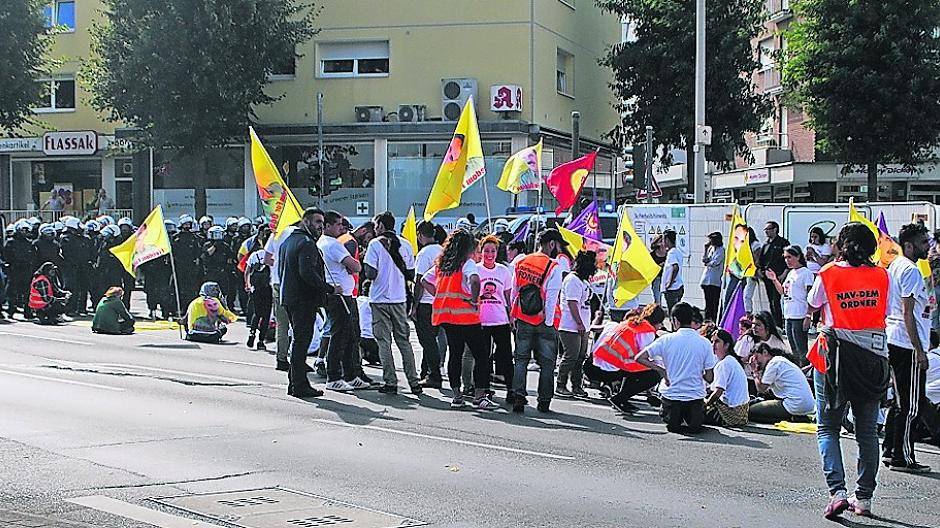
[486, 198]
[176, 286]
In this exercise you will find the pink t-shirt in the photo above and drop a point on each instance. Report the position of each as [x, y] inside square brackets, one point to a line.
[493, 284]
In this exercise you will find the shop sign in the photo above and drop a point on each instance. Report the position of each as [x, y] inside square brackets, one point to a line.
[505, 98]
[20, 145]
[81, 143]
[756, 176]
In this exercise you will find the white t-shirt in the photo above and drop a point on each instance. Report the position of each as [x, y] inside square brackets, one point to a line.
[730, 376]
[389, 285]
[686, 356]
[933, 376]
[425, 260]
[333, 254]
[823, 250]
[493, 286]
[255, 258]
[365, 317]
[795, 288]
[789, 384]
[907, 281]
[273, 247]
[575, 289]
[469, 269]
[674, 256]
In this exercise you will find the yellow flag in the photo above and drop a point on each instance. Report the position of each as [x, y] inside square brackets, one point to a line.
[577, 242]
[410, 231]
[632, 262]
[523, 170]
[739, 260]
[149, 242]
[277, 200]
[855, 216]
[462, 165]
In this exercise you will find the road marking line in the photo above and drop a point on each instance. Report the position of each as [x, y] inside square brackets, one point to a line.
[69, 341]
[60, 380]
[138, 513]
[244, 363]
[195, 375]
[444, 439]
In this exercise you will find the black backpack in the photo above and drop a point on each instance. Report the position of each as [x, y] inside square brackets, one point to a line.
[530, 296]
[260, 275]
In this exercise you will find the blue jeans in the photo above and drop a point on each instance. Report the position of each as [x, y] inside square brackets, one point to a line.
[542, 342]
[829, 426]
[656, 288]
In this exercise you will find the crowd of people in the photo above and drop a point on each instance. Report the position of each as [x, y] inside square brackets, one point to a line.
[489, 309]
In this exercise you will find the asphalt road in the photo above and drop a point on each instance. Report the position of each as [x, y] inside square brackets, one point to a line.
[136, 417]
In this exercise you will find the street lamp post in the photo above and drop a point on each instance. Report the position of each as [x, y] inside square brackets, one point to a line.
[700, 130]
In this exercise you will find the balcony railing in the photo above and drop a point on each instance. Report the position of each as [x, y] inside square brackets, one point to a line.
[768, 80]
[778, 9]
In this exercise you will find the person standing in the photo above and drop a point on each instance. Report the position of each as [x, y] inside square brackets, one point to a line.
[421, 308]
[818, 250]
[282, 337]
[495, 286]
[673, 287]
[19, 254]
[304, 291]
[103, 203]
[257, 279]
[658, 251]
[908, 329]
[714, 261]
[574, 324]
[771, 258]
[187, 249]
[794, 289]
[684, 359]
[343, 363]
[390, 264]
[536, 284]
[853, 368]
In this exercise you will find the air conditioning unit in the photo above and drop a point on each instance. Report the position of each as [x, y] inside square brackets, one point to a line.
[127, 168]
[411, 113]
[454, 95]
[369, 114]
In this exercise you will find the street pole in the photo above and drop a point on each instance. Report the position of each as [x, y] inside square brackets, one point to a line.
[320, 145]
[648, 163]
[698, 181]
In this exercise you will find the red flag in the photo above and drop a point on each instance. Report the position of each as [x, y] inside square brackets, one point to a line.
[818, 352]
[566, 180]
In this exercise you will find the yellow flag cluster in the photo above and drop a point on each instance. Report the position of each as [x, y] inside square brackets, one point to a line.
[523, 170]
[631, 261]
[739, 260]
[410, 230]
[149, 242]
[277, 200]
[462, 165]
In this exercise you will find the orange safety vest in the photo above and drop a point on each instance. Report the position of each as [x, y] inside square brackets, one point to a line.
[451, 304]
[342, 240]
[36, 301]
[620, 347]
[532, 269]
[857, 297]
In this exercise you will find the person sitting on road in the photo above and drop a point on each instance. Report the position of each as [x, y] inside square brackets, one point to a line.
[763, 330]
[727, 405]
[47, 298]
[793, 400]
[111, 316]
[206, 316]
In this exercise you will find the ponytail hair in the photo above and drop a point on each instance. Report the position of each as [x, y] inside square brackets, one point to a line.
[652, 313]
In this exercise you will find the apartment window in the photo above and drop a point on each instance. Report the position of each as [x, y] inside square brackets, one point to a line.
[765, 51]
[564, 73]
[285, 67]
[58, 95]
[353, 59]
[60, 14]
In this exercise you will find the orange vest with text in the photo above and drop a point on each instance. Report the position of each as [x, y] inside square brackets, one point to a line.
[36, 301]
[620, 347]
[532, 269]
[451, 304]
[857, 297]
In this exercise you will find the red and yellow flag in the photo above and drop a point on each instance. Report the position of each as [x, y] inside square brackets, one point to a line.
[277, 200]
[566, 180]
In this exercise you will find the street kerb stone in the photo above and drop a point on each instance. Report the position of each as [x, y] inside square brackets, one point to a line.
[282, 508]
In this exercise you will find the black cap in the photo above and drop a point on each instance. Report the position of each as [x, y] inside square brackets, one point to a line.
[552, 235]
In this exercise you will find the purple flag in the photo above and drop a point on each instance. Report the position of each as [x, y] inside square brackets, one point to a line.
[587, 223]
[731, 321]
[882, 225]
[522, 234]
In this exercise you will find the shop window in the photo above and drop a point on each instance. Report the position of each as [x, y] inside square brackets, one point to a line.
[353, 59]
[58, 95]
[564, 73]
[61, 15]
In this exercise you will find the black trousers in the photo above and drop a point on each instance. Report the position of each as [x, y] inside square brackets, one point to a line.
[501, 337]
[260, 320]
[302, 318]
[635, 383]
[773, 297]
[127, 282]
[76, 280]
[675, 412]
[18, 290]
[910, 384]
[712, 298]
[342, 356]
[427, 337]
[472, 337]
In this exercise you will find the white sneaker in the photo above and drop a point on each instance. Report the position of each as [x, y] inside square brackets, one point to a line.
[359, 384]
[860, 507]
[339, 386]
[533, 366]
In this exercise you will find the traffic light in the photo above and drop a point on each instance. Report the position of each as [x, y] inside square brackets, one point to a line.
[637, 155]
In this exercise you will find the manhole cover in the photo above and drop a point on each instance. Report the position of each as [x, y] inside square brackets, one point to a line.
[283, 508]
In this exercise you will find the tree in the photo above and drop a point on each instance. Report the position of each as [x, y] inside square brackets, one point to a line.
[654, 75]
[867, 74]
[189, 73]
[24, 41]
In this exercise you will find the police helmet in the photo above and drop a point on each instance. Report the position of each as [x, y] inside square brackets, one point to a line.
[58, 226]
[47, 229]
[72, 223]
[205, 219]
[125, 221]
[170, 226]
[216, 233]
[106, 220]
[22, 225]
[33, 221]
[110, 231]
[501, 225]
[92, 226]
[243, 221]
[231, 221]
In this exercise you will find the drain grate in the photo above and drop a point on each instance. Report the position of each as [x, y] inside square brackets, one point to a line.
[283, 508]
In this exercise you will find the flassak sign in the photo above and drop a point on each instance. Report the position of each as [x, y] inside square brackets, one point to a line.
[80, 143]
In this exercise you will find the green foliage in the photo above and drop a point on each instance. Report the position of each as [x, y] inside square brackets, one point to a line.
[867, 73]
[654, 75]
[24, 41]
[188, 73]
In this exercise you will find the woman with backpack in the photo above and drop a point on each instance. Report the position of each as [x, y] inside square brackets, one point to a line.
[258, 283]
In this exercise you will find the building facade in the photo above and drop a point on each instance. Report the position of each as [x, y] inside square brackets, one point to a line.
[392, 74]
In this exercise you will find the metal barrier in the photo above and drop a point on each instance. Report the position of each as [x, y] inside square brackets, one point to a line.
[12, 215]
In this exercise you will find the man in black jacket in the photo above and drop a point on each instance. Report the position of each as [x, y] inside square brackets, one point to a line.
[303, 291]
[771, 257]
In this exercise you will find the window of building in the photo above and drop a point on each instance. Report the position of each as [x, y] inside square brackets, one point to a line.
[353, 59]
[765, 52]
[60, 14]
[285, 68]
[58, 95]
[564, 73]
